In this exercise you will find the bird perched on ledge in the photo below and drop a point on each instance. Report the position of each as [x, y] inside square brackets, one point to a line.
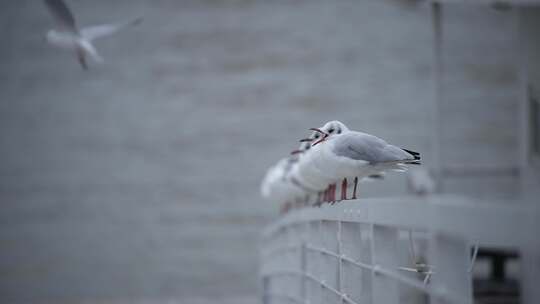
[343, 155]
[334, 155]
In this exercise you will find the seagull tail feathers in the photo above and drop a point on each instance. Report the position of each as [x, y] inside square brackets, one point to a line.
[416, 155]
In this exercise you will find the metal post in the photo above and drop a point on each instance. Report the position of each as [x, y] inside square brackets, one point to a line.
[305, 262]
[529, 277]
[384, 255]
[530, 272]
[303, 269]
[438, 70]
[314, 290]
[351, 277]
[452, 281]
[340, 260]
[366, 257]
[329, 262]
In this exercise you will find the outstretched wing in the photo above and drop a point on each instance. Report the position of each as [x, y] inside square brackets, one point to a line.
[362, 146]
[98, 31]
[62, 14]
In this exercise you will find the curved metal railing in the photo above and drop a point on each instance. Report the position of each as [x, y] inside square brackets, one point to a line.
[365, 251]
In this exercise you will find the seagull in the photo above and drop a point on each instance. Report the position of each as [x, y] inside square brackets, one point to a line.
[69, 36]
[420, 182]
[342, 154]
[314, 180]
[307, 177]
[332, 154]
[277, 188]
[278, 185]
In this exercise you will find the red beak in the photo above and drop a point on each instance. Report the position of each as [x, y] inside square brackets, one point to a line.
[320, 140]
[318, 130]
[324, 135]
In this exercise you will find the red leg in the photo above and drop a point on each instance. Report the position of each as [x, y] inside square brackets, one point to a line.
[326, 196]
[329, 199]
[355, 186]
[344, 189]
[332, 197]
[329, 193]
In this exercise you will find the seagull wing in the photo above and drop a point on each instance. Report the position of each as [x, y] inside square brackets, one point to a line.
[362, 146]
[62, 14]
[98, 31]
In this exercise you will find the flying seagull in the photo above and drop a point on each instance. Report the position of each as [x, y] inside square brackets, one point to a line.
[69, 36]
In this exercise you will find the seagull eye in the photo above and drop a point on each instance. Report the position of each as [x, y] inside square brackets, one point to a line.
[316, 136]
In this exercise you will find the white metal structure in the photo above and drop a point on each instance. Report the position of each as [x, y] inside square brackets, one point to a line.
[356, 252]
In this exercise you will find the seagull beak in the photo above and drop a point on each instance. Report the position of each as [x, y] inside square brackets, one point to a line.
[306, 140]
[319, 141]
[324, 135]
[317, 130]
[323, 138]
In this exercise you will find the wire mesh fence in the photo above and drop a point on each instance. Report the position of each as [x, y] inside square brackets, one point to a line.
[389, 251]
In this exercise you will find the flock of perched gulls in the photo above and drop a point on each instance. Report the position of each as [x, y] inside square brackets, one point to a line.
[329, 164]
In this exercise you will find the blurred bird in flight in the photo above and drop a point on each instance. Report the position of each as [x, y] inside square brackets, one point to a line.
[69, 36]
[420, 182]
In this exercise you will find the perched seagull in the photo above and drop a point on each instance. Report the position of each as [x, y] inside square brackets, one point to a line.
[276, 187]
[336, 127]
[304, 176]
[69, 36]
[343, 154]
[332, 154]
[420, 182]
[312, 178]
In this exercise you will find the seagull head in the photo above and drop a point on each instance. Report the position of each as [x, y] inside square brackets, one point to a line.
[319, 136]
[330, 129]
[334, 127]
[305, 144]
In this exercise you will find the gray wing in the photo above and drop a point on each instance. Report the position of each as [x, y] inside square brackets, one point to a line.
[362, 146]
[62, 14]
[98, 31]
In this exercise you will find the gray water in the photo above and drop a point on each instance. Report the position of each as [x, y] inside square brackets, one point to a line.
[138, 179]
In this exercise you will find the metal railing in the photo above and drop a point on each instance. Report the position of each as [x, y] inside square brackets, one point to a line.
[366, 251]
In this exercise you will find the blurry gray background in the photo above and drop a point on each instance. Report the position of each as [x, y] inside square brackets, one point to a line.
[139, 179]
